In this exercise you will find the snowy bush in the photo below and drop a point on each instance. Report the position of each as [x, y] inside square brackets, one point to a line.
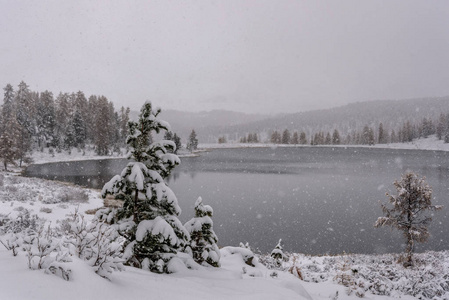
[203, 240]
[23, 220]
[72, 195]
[12, 242]
[30, 190]
[377, 274]
[39, 245]
[246, 255]
[95, 242]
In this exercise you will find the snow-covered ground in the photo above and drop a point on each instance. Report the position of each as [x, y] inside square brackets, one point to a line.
[321, 277]
[430, 143]
[42, 157]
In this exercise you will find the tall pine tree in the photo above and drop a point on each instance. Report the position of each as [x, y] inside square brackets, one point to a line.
[9, 129]
[148, 219]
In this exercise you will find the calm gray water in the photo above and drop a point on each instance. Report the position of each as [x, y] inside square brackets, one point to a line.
[317, 199]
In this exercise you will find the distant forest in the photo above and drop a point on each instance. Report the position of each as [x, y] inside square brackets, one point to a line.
[33, 121]
[365, 123]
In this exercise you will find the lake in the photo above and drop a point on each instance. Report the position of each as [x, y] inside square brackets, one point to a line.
[319, 200]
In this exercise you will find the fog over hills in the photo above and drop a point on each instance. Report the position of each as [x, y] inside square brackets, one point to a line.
[392, 113]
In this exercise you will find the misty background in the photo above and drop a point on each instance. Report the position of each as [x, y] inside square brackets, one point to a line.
[259, 57]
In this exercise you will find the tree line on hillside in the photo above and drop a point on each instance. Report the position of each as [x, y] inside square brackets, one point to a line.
[368, 135]
[31, 120]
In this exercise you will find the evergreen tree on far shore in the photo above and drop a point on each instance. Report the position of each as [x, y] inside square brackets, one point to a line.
[192, 143]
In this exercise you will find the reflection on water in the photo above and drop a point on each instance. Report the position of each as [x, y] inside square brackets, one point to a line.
[318, 200]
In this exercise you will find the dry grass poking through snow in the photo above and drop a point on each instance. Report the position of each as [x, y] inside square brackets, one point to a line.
[375, 274]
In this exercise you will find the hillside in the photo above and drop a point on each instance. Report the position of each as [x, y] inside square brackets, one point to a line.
[392, 113]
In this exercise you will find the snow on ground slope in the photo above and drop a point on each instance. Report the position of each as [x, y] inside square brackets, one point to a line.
[17, 282]
[227, 282]
[41, 157]
[47, 199]
[233, 280]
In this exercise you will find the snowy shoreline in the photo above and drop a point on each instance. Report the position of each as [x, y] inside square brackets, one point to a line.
[299, 276]
[428, 144]
[431, 144]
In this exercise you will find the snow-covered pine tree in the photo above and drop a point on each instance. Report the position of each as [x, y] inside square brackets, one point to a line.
[79, 129]
[277, 252]
[124, 119]
[24, 113]
[102, 131]
[9, 129]
[148, 219]
[407, 214]
[45, 119]
[203, 240]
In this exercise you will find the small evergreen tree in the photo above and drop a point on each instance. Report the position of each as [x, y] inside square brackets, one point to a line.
[203, 240]
[302, 138]
[275, 137]
[382, 136]
[407, 214]
[192, 144]
[336, 140]
[368, 136]
[222, 140]
[148, 219]
[393, 137]
[286, 137]
[295, 138]
[277, 254]
[441, 126]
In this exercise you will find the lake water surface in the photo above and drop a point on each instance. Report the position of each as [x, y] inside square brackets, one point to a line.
[317, 199]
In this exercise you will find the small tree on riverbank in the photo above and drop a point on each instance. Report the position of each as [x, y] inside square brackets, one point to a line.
[407, 214]
[148, 219]
[192, 143]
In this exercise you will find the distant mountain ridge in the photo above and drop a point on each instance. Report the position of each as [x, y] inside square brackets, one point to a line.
[392, 113]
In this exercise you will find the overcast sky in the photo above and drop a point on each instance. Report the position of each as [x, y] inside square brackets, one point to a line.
[252, 56]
